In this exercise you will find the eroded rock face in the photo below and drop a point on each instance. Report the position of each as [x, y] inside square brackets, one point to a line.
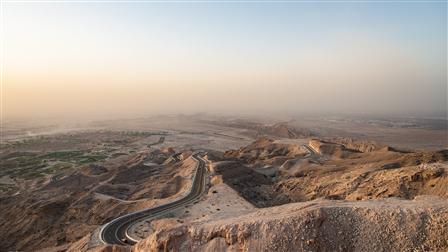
[358, 145]
[282, 130]
[379, 202]
[62, 211]
[330, 148]
[322, 225]
[335, 173]
[266, 151]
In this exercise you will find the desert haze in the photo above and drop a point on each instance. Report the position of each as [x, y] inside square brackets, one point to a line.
[223, 126]
[130, 59]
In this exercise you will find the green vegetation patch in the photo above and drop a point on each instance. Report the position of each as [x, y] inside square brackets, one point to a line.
[56, 168]
[91, 159]
[117, 154]
[64, 155]
[29, 166]
[75, 157]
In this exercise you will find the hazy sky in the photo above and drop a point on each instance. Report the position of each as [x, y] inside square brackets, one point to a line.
[136, 58]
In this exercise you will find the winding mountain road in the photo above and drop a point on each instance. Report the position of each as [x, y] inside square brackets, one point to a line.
[312, 152]
[160, 141]
[116, 231]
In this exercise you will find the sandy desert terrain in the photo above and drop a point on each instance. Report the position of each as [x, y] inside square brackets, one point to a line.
[223, 125]
[269, 184]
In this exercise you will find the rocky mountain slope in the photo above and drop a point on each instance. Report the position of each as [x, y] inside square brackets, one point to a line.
[271, 195]
[61, 210]
[319, 225]
[346, 197]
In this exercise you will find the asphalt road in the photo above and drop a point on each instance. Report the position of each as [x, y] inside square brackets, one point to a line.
[312, 152]
[161, 140]
[115, 232]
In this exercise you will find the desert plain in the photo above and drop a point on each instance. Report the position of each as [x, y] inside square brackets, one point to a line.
[226, 183]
